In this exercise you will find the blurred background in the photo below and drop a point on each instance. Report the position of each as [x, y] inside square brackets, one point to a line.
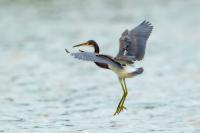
[45, 90]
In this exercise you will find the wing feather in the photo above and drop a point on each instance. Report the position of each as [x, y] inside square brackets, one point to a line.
[89, 56]
[133, 42]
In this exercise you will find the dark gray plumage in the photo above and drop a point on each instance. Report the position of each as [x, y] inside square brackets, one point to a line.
[133, 42]
[90, 56]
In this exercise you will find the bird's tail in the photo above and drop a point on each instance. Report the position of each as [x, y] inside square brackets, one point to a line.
[136, 72]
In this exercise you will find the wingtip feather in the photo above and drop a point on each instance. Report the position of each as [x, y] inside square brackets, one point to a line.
[67, 51]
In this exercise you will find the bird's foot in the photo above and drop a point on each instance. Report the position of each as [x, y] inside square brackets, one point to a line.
[120, 109]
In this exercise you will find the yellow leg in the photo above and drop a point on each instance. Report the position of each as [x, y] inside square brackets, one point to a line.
[125, 94]
[120, 106]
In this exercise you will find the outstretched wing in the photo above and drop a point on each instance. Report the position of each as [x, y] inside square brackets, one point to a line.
[89, 56]
[133, 42]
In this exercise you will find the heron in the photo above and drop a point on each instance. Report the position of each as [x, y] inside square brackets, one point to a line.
[132, 45]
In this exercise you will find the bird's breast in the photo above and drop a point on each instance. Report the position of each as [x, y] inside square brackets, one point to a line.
[121, 72]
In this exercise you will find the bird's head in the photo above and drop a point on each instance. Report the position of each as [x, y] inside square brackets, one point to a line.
[90, 43]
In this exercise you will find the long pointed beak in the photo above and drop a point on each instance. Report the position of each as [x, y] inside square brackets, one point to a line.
[82, 44]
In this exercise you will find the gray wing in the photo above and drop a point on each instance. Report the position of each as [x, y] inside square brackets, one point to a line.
[133, 42]
[89, 56]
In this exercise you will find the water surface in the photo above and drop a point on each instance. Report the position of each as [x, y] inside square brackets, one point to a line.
[44, 90]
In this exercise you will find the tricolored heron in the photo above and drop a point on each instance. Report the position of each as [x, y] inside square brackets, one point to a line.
[132, 44]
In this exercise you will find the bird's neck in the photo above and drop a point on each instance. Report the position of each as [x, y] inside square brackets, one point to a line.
[96, 50]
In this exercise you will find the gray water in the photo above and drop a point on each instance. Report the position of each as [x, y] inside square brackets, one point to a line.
[44, 90]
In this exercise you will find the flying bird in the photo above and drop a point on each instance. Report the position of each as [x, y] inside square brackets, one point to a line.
[132, 44]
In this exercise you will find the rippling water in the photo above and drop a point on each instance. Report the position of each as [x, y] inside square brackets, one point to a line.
[44, 90]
